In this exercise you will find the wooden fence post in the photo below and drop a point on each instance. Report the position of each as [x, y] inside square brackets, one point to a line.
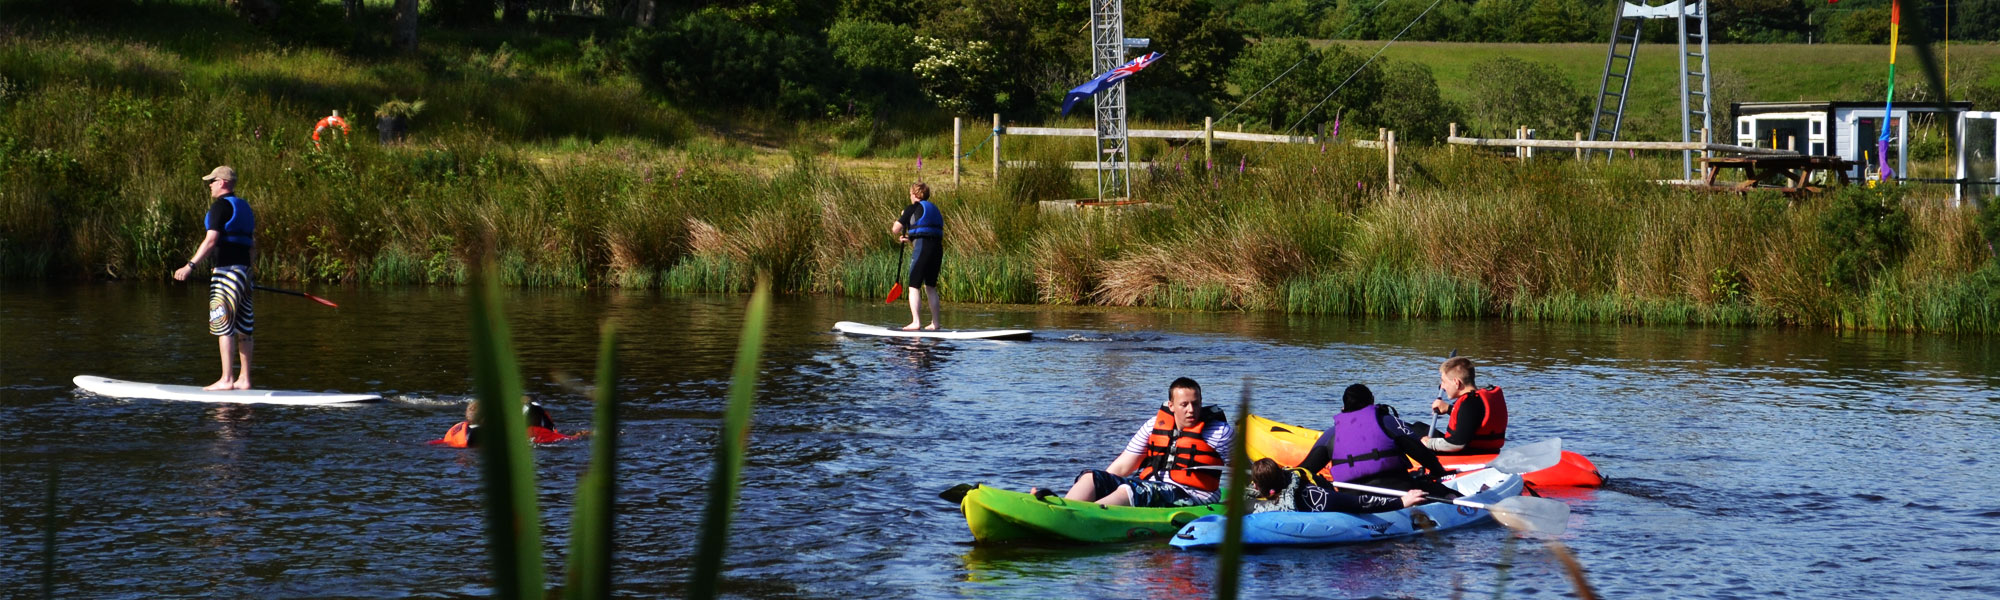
[1579, 145]
[1453, 133]
[996, 148]
[1705, 152]
[1207, 141]
[957, 140]
[1389, 146]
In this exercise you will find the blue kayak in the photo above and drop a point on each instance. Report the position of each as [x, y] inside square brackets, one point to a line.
[1286, 528]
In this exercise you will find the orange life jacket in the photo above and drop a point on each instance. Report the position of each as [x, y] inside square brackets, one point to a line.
[1491, 432]
[1177, 451]
[460, 436]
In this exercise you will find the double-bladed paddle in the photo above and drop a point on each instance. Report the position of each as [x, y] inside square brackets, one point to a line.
[896, 291]
[1521, 459]
[299, 294]
[1539, 515]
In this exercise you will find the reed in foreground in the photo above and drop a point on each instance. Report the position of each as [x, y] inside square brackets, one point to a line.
[729, 448]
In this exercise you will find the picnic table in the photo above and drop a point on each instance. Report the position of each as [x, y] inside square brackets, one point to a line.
[1795, 172]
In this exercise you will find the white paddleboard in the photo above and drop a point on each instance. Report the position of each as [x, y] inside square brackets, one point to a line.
[159, 391]
[853, 328]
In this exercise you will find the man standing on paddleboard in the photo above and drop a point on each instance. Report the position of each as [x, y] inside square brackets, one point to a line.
[231, 237]
[923, 226]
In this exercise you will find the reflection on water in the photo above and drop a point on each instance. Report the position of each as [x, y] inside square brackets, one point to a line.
[1857, 460]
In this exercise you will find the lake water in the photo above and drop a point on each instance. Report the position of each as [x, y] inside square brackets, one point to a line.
[1744, 462]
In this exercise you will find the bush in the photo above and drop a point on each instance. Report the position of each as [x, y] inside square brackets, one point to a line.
[1509, 92]
[880, 55]
[1869, 231]
[704, 58]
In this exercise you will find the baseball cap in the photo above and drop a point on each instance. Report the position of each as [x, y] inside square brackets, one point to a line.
[223, 173]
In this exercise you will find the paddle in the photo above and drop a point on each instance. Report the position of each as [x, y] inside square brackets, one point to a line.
[1520, 459]
[299, 294]
[1434, 414]
[956, 495]
[896, 291]
[1539, 515]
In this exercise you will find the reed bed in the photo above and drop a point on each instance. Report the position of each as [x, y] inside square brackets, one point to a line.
[101, 148]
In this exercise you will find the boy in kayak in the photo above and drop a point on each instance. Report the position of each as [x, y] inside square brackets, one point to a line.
[1478, 423]
[1368, 445]
[541, 428]
[923, 227]
[1297, 489]
[1173, 460]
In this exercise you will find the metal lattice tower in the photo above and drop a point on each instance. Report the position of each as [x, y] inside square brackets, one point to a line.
[1107, 52]
[1627, 25]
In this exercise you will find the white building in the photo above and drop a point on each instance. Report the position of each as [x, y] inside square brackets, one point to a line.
[1849, 130]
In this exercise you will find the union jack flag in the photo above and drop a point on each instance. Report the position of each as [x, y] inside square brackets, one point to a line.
[1097, 84]
[1131, 67]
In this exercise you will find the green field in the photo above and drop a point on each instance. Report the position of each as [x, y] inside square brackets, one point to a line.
[1743, 73]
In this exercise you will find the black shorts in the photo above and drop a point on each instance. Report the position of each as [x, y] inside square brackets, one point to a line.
[925, 259]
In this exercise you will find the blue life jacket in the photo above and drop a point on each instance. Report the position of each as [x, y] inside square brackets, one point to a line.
[1360, 448]
[242, 226]
[930, 223]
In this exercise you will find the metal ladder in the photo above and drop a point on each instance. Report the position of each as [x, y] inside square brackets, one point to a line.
[1627, 23]
[1604, 124]
[1694, 74]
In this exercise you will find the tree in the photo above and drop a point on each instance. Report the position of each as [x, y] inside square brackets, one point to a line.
[1199, 43]
[406, 25]
[1311, 92]
[1411, 105]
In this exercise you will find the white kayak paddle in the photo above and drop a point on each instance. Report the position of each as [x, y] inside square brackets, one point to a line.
[1521, 459]
[1539, 515]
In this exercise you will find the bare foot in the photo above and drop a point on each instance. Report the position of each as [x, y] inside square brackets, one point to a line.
[912, 326]
[219, 385]
[931, 327]
[242, 384]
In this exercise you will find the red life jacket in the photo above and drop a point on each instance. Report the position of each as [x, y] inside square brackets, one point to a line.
[1177, 451]
[544, 435]
[1491, 432]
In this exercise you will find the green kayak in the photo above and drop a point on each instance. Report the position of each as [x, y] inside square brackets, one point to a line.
[997, 515]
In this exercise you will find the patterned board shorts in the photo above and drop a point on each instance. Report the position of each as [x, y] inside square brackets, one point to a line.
[1144, 492]
[229, 309]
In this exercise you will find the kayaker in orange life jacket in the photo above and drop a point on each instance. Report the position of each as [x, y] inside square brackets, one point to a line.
[1478, 423]
[541, 428]
[1369, 445]
[1158, 467]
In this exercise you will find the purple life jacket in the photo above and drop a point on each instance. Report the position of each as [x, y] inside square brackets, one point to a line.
[1360, 448]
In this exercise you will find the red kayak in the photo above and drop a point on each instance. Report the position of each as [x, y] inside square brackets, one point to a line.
[1288, 444]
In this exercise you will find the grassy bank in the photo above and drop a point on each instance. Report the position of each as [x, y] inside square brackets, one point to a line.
[103, 137]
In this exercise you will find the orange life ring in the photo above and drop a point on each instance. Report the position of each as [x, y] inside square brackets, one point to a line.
[332, 121]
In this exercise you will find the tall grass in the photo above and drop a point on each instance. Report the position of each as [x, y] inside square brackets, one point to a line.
[590, 541]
